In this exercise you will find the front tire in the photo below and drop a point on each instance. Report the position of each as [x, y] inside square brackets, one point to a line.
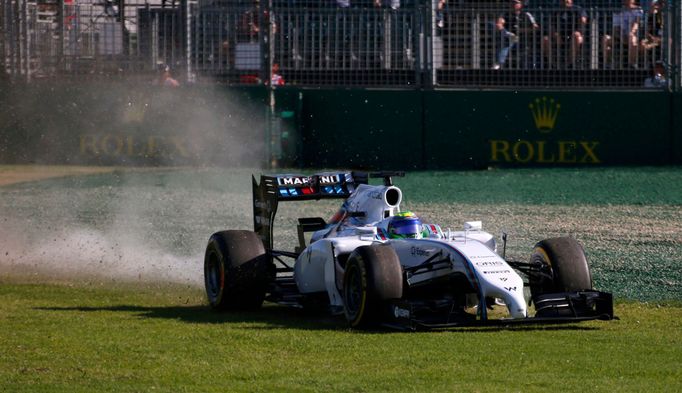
[562, 267]
[373, 276]
[236, 270]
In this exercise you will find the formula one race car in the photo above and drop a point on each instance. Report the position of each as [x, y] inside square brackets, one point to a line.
[379, 265]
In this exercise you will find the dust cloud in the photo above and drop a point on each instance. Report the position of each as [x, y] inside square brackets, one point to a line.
[132, 124]
[133, 226]
[82, 254]
[136, 224]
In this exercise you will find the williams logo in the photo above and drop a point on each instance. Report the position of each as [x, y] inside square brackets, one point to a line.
[557, 150]
[544, 113]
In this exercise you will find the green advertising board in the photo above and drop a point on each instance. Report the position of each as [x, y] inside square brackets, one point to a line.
[125, 123]
[477, 129]
[379, 129]
[129, 124]
[480, 129]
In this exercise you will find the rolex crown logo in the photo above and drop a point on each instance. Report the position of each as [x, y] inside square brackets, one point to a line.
[545, 112]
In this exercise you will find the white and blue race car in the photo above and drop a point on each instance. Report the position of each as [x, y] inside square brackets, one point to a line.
[379, 265]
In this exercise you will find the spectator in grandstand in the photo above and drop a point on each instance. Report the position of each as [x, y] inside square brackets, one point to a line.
[440, 13]
[249, 25]
[653, 32]
[623, 44]
[276, 78]
[563, 42]
[110, 9]
[647, 4]
[392, 4]
[339, 34]
[167, 79]
[503, 41]
[657, 79]
[523, 25]
[396, 48]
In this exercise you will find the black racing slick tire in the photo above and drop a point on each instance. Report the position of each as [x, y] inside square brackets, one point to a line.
[562, 267]
[373, 276]
[236, 271]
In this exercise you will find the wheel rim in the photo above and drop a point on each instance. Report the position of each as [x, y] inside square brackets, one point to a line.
[543, 280]
[213, 276]
[354, 293]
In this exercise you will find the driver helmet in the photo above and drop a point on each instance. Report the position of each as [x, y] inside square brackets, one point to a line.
[405, 225]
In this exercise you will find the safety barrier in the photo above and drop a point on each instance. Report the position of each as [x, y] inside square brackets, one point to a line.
[114, 124]
[460, 129]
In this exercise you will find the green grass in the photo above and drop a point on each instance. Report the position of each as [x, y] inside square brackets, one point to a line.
[571, 186]
[134, 338]
[156, 223]
[90, 300]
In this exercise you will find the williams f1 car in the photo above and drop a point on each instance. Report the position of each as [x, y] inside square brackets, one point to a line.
[379, 265]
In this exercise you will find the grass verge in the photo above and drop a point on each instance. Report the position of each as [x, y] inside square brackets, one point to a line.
[130, 337]
[80, 335]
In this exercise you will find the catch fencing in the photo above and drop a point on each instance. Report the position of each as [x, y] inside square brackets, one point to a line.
[421, 45]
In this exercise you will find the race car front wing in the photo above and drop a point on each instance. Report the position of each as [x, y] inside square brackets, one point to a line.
[565, 307]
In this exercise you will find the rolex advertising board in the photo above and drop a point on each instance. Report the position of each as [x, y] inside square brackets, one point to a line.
[118, 124]
[483, 129]
[478, 129]
[137, 124]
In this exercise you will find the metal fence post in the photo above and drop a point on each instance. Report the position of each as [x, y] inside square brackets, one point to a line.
[59, 63]
[677, 46]
[426, 18]
[26, 40]
[189, 15]
[3, 38]
[273, 133]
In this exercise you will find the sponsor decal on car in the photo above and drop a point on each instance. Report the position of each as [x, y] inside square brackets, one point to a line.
[400, 312]
[293, 181]
[489, 263]
[262, 205]
[375, 195]
[419, 252]
[496, 271]
[328, 179]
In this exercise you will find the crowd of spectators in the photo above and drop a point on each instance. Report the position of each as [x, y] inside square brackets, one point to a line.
[516, 34]
[391, 34]
[568, 34]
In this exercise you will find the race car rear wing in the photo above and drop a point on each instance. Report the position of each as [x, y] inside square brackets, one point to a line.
[286, 187]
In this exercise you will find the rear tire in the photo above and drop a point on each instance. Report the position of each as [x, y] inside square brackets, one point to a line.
[236, 270]
[563, 267]
[373, 276]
